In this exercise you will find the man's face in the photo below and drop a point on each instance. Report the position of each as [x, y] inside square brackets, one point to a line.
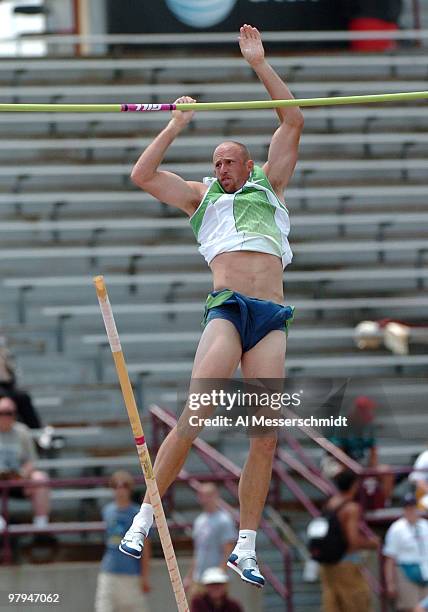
[231, 167]
[7, 413]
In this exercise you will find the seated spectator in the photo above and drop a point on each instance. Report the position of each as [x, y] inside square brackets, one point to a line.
[26, 413]
[358, 441]
[420, 480]
[406, 552]
[214, 597]
[17, 456]
[123, 580]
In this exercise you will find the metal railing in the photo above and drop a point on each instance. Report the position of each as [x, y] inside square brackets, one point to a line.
[220, 38]
[307, 469]
[11, 530]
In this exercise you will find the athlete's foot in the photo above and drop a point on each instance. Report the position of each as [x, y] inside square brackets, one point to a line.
[133, 542]
[244, 563]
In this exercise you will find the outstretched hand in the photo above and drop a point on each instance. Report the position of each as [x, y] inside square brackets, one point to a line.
[250, 42]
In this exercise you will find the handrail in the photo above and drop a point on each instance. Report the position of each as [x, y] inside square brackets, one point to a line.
[284, 476]
[71, 527]
[305, 472]
[221, 37]
[326, 444]
[214, 459]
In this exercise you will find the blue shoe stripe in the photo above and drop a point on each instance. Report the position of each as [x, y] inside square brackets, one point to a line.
[233, 558]
[130, 551]
[249, 576]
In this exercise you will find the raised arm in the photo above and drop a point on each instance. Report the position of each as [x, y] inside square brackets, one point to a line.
[284, 145]
[167, 186]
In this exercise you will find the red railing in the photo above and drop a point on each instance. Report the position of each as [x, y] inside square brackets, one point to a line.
[14, 530]
[305, 468]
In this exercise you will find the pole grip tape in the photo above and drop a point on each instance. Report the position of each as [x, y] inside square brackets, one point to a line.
[110, 325]
[146, 108]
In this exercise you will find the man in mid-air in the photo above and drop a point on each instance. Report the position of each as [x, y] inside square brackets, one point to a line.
[241, 223]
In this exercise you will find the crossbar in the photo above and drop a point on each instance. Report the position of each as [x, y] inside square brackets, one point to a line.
[209, 106]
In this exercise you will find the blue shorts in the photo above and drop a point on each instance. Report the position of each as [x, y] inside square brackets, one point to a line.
[253, 318]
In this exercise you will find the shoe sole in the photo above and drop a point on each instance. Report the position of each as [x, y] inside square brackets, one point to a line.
[128, 551]
[240, 574]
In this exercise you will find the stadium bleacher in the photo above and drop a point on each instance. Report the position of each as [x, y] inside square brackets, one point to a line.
[68, 211]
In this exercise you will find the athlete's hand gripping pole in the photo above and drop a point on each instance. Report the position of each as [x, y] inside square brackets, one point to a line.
[140, 442]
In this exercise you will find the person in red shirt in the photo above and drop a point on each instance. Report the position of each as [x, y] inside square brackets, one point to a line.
[214, 598]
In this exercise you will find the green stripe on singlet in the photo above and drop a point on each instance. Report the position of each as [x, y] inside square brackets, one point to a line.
[254, 214]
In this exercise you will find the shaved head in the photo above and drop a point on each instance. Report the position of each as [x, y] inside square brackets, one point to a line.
[243, 150]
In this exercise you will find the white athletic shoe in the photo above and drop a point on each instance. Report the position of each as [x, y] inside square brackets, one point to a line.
[132, 543]
[244, 563]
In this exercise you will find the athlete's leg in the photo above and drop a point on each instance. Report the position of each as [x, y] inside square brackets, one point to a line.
[265, 360]
[217, 356]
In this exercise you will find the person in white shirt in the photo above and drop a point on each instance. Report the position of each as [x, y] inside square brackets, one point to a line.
[17, 457]
[406, 552]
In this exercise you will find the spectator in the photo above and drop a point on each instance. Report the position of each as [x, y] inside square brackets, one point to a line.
[26, 413]
[123, 581]
[406, 552]
[420, 480]
[344, 588]
[358, 441]
[17, 456]
[214, 597]
[422, 605]
[214, 537]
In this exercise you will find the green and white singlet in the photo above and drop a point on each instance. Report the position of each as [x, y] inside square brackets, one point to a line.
[250, 219]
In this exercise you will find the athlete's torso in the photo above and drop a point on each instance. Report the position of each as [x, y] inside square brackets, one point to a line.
[244, 237]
